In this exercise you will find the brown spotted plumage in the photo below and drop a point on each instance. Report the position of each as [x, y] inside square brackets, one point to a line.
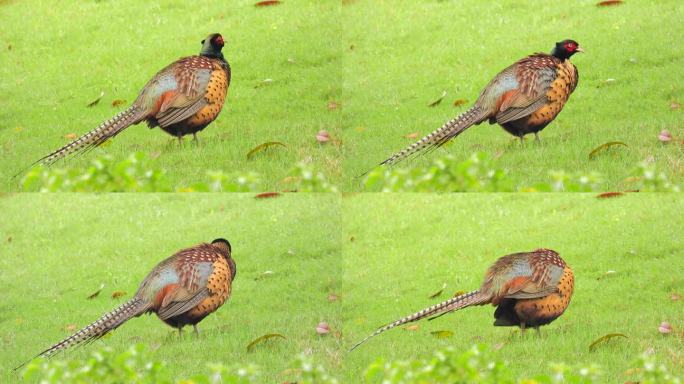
[523, 98]
[529, 289]
[181, 290]
[181, 99]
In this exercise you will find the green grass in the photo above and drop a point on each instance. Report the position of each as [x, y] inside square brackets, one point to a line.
[406, 55]
[383, 62]
[62, 57]
[399, 250]
[58, 249]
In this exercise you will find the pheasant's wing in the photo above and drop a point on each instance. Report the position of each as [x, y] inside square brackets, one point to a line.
[180, 301]
[177, 91]
[534, 75]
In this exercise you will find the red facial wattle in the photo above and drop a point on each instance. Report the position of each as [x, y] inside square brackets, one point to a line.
[218, 40]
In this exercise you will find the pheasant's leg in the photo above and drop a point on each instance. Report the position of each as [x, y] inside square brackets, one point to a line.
[197, 330]
[180, 138]
[522, 329]
[194, 137]
[180, 332]
[536, 137]
[538, 331]
[522, 140]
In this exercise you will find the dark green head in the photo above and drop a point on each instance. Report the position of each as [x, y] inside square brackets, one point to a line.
[212, 45]
[566, 48]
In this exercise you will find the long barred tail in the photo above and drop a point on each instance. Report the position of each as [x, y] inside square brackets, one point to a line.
[97, 136]
[99, 328]
[448, 131]
[453, 304]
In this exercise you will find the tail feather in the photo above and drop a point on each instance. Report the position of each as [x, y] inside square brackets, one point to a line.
[439, 137]
[465, 300]
[97, 136]
[108, 322]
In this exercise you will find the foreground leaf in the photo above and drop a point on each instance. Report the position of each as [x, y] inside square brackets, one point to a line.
[438, 293]
[94, 294]
[94, 102]
[605, 338]
[436, 102]
[261, 339]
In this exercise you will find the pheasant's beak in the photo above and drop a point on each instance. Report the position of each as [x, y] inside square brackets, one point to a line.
[579, 49]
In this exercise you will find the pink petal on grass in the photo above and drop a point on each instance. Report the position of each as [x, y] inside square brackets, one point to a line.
[322, 136]
[322, 328]
[664, 136]
[665, 328]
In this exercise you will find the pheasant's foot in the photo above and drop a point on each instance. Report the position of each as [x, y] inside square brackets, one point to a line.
[194, 326]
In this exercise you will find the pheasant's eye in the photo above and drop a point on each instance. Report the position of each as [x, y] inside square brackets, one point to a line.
[218, 40]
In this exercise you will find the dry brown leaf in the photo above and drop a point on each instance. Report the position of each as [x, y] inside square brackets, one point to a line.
[608, 3]
[674, 296]
[332, 297]
[458, 293]
[413, 135]
[267, 3]
[459, 102]
[118, 294]
[675, 105]
[412, 327]
[263, 338]
[605, 338]
[71, 136]
[118, 103]
[436, 102]
[94, 294]
[607, 195]
[262, 147]
[267, 195]
[71, 327]
[438, 293]
[333, 105]
[94, 102]
[665, 136]
[605, 146]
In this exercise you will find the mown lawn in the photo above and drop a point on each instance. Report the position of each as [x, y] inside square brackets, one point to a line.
[400, 250]
[363, 70]
[55, 59]
[57, 250]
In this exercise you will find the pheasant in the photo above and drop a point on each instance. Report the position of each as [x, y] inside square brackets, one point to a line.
[529, 289]
[181, 290]
[181, 99]
[523, 98]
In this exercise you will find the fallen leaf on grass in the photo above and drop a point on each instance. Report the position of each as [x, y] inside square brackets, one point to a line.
[267, 3]
[263, 83]
[436, 102]
[332, 297]
[333, 105]
[665, 328]
[118, 103]
[673, 297]
[267, 195]
[71, 327]
[607, 195]
[665, 136]
[70, 136]
[459, 102]
[608, 3]
[608, 273]
[442, 334]
[118, 294]
[263, 275]
[604, 147]
[94, 294]
[605, 338]
[322, 136]
[458, 293]
[412, 327]
[262, 147]
[413, 135]
[9, 239]
[94, 102]
[323, 328]
[438, 293]
[675, 105]
[261, 339]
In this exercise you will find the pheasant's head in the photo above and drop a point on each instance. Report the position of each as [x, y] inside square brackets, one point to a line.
[566, 48]
[212, 45]
[222, 245]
